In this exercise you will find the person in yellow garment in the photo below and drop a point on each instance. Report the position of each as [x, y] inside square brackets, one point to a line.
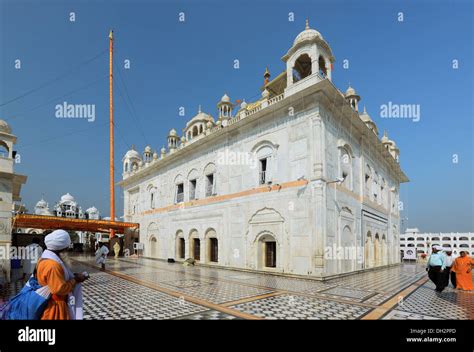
[66, 296]
[463, 268]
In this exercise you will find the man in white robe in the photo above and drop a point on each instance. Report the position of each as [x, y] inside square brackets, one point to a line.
[101, 255]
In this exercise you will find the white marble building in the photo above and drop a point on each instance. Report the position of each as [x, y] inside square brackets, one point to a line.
[276, 184]
[413, 243]
[10, 187]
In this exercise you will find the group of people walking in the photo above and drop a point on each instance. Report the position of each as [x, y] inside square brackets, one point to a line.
[443, 267]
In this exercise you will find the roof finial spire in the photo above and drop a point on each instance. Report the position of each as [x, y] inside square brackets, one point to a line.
[199, 109]
[307, 24]
[266, 76]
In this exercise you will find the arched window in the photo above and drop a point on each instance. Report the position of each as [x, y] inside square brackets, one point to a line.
[368, 181]
[265, 155]
[200, 129]
[4, 151]
[125, 168]
[195, 131]
[302, 68]
[322, 66]
[345, 166]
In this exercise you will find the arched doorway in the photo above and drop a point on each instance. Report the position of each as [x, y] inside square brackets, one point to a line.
[153, 247]
[267, 251]
[212, 246]
[180, 245]
[194, 245]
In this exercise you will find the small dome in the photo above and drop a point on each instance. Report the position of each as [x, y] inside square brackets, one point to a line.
[41, 204]
[243, 105]
[147, 149]
[385, 139]
[173, 132]
[201, 116]
[155, 155]
[225, 99]
[350, 92]
[132, 154]
[67, 198]
[163, 150]
[365, 116]
[4, 127]
[92, 210]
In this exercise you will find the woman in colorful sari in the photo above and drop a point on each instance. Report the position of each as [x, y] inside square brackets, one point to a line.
[463, 268]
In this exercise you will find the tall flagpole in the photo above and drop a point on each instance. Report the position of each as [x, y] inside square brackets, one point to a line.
[111, 126]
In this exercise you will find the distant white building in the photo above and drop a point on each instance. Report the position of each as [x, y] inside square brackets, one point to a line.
[66, 207]
[413, 243]
[275, 184]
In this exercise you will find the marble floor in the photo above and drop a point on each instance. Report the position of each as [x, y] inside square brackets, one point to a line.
[150, 289]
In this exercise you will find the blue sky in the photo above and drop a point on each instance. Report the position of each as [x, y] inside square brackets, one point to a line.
[177, 64]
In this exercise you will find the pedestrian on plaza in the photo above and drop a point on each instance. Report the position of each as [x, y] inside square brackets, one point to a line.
[33, 254]
[448, 272]
[435, 267]
[463, 268]
[65, 287]
[101, 255]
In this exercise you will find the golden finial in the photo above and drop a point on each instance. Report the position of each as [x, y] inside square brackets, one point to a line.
[307, 24]
[111, 34]
[266, 75]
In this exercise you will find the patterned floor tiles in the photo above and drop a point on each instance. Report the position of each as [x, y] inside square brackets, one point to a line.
[449, 304]
[220, 292]
[209, 315]
[400, 315]
[348, 293]
[109, 297]
[301, 308]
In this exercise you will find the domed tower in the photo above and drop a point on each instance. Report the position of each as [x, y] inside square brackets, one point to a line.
[310, 59]
[385, 141]
[147, 154]
[130, 161]
[394, 151]
[197, 125]
[352, 97]
[369, 122]
[42, 208]
[173, 140]
[93, 213]
[225, 107]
